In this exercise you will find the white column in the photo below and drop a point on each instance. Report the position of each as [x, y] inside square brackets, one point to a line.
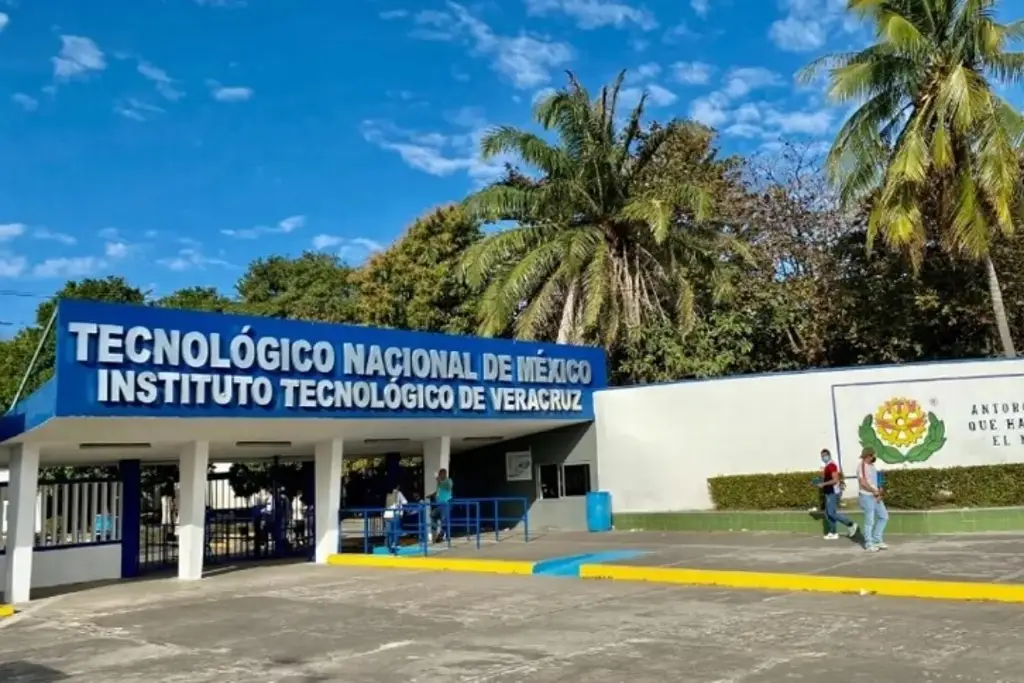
[21, 533]
[327, 457]
[436, 456]
[192, 466]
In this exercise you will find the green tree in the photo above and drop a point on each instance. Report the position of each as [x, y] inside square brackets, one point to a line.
[932, 146]
[415, 283]
[16, 358]
[313, 286]
[594, 250]
[198, 299]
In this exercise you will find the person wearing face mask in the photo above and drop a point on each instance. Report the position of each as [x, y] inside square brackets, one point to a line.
[832, 488]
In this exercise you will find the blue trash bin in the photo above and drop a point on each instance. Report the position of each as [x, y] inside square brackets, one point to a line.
[599, 511]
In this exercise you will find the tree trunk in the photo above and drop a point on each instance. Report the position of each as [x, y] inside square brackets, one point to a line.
[995, 292]
[567, 325]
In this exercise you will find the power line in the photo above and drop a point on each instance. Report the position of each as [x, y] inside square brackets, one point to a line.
[26, 295]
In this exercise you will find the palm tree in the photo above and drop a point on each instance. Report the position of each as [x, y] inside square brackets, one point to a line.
[932, 146]
[595, 249]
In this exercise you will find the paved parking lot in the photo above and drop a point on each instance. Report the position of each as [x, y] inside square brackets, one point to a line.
[306, 624]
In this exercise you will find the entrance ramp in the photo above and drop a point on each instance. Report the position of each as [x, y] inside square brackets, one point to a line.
[425, 529]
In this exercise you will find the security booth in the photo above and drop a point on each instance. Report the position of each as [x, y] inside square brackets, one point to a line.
[138, 388]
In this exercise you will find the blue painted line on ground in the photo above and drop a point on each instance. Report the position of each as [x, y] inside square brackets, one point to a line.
[402, 550]
[570, 565]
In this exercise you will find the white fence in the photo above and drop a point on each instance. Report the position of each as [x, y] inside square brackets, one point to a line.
[74, 513]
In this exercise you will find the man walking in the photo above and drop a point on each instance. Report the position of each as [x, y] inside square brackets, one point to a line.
[876, 516]
[832, 488]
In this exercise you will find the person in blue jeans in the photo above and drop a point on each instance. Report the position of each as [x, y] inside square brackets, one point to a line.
[832, 489]
[393, 518]
[876, 516]
[441, 510]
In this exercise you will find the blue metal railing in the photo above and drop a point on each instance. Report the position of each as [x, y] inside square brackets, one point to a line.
[495, 513]
[415, 520]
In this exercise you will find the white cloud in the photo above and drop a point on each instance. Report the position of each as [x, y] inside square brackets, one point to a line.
[644, 72]
[326, 241]
[744, 130]
[4, 20]
[78, 56]
[9, 231]
[542, 94]
[526, 60]
[12, 266]
[808, 24]
[657, 96]
[26, 102]
[283, 227]
[742, 81]
[700, 7]
[356, 248]
[394, 14]
[800, 122]
[747, 113]
[46, 234]
[680, 30]
[711, 110]
[135, 109]
[438, 154]
[77, 266]
[110, 234]
[797, 35]
[224, 93]
[692, 73]
[164, 83]
[592, 14]
[191, 258]
[115, 250]
[291, 223]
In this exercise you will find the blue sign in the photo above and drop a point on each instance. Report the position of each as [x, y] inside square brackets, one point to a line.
[135, 361]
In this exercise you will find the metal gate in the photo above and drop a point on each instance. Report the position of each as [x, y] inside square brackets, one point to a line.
[252, 512]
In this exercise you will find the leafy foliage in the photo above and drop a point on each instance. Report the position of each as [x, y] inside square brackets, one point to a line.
[599, 246]
[933, 146]
[313, 286]
[905, 489]
[415, 284]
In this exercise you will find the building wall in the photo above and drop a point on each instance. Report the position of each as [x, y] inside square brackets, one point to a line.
[80, 564]
[481, 473]
[659, 444]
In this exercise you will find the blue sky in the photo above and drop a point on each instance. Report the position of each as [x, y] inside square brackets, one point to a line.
[173, 141]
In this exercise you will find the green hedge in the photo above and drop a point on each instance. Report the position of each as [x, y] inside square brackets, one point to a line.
[911, 489]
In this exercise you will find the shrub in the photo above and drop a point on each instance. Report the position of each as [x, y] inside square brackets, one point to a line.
[909, 489]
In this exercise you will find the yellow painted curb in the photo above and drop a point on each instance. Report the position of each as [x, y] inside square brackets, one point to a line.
[445, 564]
[6, 611]
[903, 588]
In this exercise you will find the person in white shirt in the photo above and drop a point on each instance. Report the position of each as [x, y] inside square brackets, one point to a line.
[876, 516]
[393, 518]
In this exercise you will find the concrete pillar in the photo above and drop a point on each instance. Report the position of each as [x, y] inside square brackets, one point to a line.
[21, 533]
[192, 466]
[436, 456]
[327, 457]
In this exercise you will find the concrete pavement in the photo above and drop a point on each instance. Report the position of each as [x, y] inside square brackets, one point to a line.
[306, 624]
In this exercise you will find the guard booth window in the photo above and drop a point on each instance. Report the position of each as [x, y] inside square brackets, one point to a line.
[563, 481]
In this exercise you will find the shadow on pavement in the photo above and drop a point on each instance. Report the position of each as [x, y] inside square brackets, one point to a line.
[27, 672]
